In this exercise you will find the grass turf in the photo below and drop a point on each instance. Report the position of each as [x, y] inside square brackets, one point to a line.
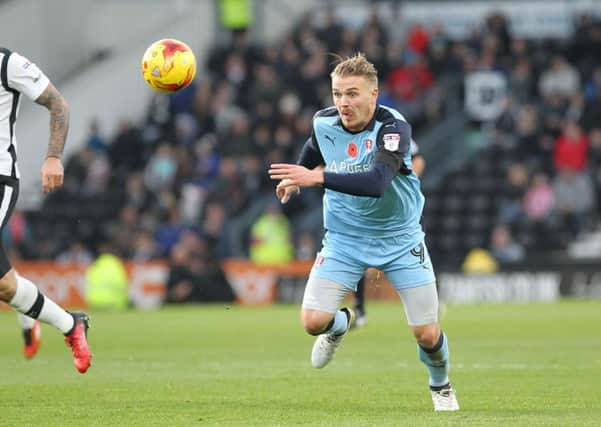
[519, 364]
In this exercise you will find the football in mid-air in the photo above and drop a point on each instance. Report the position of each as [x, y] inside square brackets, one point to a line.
[168, 65]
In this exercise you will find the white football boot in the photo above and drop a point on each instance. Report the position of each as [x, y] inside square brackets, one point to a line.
[326, 344]
[445, 399]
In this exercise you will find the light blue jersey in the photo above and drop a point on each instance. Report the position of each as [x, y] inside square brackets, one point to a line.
[361, 231]
[399, 210]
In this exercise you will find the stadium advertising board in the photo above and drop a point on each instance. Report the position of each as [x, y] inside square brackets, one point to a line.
[499, 287]
[260, 285]
[65, 283]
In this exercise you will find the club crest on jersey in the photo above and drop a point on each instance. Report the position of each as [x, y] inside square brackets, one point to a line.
[351, 150]
[391, 141]
[369, 145]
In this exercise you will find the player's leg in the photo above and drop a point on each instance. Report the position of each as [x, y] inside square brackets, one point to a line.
[25, 297]
[334, 274]
[421, 309]
[321, 317]
[415, 283]
[323, 296]
[360, 303]
[32, 335]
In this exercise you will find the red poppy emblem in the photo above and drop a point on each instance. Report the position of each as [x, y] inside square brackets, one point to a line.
[352, 150]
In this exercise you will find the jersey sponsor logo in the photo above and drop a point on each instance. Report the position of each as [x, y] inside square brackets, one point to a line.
[369, 145]
[352, 150]
[345, 167]
[391, 141]
[329, 138]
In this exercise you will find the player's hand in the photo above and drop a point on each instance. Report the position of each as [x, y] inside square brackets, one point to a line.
[296, 175]
[52, 174]
[284, 191]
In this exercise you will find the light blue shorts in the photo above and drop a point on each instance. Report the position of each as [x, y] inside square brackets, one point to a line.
[344, 259]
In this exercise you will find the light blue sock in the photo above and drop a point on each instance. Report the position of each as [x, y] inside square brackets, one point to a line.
[437, 361]
[339, 324]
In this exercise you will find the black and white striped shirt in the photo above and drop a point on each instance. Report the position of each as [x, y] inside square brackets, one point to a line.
[18, 76]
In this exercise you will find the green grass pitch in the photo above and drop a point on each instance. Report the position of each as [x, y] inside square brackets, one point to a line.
[512, 365]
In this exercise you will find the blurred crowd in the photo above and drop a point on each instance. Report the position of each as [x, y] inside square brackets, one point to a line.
[549, 127]
[189, 182]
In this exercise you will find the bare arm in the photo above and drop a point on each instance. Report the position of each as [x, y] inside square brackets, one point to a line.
[52, 169]
[59, 119]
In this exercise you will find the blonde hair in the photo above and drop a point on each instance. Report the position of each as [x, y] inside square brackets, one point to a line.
[356, 65]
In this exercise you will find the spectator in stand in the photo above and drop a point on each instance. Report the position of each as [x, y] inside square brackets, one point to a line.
[123, 232]
[571, 148]
[498, 26]
[592, 88]
[98, 175]
[408, 81]
[574, 199]
[585, 39]
[527, 131]
[331, 31]
[595, 162]
[179, 286]
[559, 79]
[418, 39]
[591, 115]
[76, 170]
[124, 150]
[228, 187]
[236, 141]
[438, 50]
[513, 194]
[76, 253]
[503, 248]
[95, 141]
[161, 169]
[270, 237]
[170, 232]
[539, 200]
[194, 273]
[144, 248]
[107, 281]
[137, 194]
[521, 81]
[213, 229]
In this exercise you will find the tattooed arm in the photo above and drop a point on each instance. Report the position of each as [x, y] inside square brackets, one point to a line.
[59, 119]
[52, 169]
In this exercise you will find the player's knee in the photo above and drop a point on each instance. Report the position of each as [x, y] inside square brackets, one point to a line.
[8, 286]
[314, 321]
[427, 336]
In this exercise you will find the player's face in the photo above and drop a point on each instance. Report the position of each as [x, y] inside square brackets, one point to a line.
[355, 98]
